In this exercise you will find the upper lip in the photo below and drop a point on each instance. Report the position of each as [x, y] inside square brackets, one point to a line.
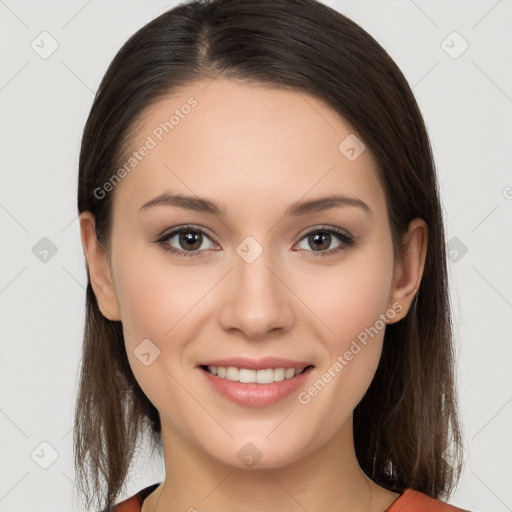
[263, 363]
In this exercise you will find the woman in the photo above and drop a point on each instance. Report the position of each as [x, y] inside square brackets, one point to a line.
[267, 291]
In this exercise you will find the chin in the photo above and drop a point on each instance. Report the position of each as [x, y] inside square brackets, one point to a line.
[258, 452]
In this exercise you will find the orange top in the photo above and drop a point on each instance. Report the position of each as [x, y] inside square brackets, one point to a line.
[408, 501]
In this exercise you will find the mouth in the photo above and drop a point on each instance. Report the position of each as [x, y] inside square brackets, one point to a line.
[255, 376]
[255, 383]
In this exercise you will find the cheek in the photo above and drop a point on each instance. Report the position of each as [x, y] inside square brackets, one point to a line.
[163, 302]
[156, 309]
[353, 306]
[350, 297]
[154, 293]
[150, 303]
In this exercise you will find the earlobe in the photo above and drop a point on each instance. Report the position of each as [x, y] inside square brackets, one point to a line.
[408, 272]
[99, 269]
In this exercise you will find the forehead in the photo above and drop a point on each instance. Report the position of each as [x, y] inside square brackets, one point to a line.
[247, 143]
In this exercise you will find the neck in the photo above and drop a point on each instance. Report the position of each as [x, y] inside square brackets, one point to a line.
[329, 478]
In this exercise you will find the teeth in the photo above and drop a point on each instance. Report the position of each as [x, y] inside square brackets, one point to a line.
[260, 376]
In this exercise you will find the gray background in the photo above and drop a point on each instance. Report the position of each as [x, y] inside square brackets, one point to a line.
[466, 99]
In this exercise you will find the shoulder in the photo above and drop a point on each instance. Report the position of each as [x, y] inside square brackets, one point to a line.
[414, 501]
[134, 503]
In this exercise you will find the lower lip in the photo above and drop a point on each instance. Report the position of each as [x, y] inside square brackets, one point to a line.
[254, 394]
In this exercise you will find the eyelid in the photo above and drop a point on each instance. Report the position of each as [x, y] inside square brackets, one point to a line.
[192, 227]
[326, 228]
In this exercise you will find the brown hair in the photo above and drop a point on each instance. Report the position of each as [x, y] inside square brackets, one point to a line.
[408, 417]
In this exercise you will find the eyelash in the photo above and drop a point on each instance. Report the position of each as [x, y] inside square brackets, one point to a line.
[346, 241]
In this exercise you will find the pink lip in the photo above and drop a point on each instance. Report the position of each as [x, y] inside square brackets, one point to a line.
[257, 364]
[255, 394]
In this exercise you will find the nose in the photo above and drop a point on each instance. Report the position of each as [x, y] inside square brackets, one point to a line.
[256, 299]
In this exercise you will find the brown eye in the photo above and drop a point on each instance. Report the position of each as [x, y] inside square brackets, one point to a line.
[320, 240]
[190, 240]
[186, 241]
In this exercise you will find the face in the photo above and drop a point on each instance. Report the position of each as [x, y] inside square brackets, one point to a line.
[254, 279]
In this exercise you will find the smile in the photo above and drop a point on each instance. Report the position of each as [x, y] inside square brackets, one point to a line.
[254, 388]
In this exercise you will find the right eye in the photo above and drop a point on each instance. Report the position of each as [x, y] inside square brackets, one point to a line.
[189, 238]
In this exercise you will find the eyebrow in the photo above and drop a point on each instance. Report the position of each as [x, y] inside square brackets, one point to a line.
[294, 210]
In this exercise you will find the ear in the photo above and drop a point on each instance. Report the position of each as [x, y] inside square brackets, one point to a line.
[408, 272]
[99, 268]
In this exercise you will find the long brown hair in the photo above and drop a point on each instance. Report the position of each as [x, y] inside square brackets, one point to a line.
[408, 417]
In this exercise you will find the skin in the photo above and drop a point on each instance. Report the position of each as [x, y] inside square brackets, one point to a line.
[253, 150]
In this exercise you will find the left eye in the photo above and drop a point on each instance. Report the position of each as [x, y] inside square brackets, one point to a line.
[317, 238]
[191, 239]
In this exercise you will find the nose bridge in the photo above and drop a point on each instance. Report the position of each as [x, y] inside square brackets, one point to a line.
[257, 302]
